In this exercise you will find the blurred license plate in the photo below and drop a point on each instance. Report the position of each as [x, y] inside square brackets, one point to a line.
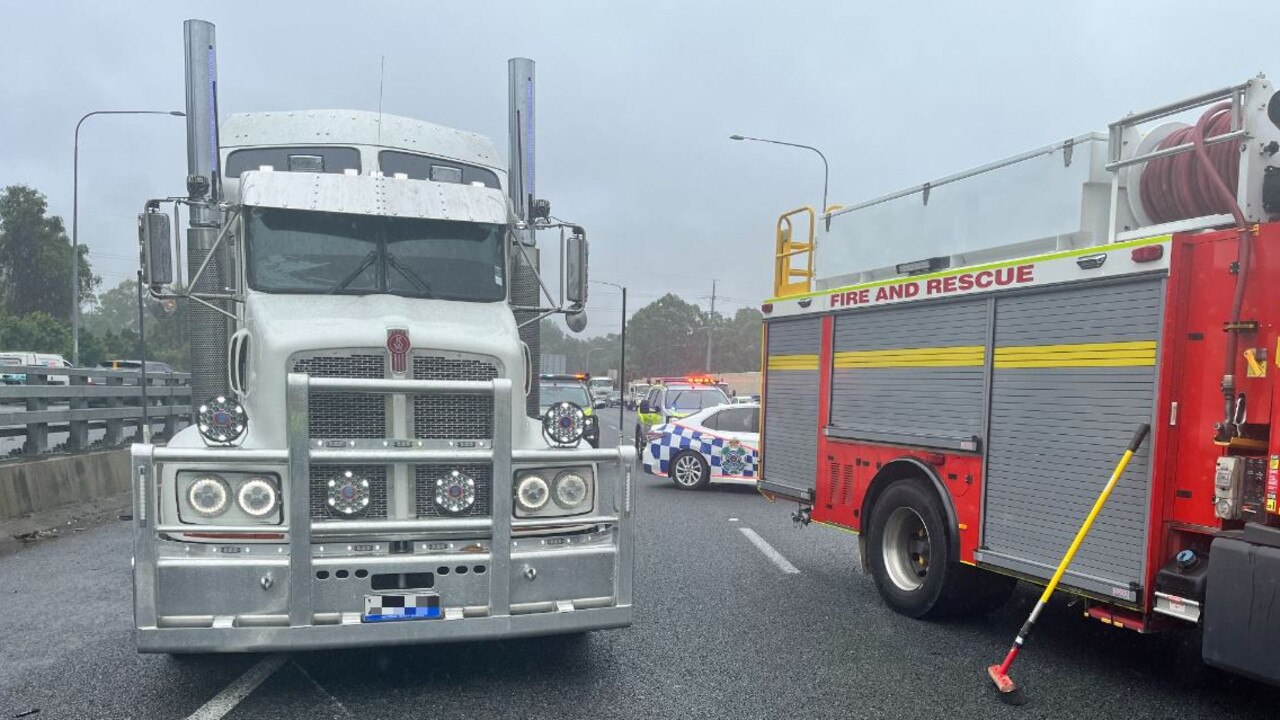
[406, 606]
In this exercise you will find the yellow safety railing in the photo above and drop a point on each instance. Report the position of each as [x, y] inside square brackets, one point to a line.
[788, 278]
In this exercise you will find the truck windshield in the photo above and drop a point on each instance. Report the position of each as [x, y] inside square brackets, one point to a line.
[303, 251]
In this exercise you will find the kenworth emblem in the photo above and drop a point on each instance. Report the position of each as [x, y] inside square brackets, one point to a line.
[398, 346]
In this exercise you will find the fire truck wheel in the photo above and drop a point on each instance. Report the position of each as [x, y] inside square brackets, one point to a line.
[909, 551]
[689, 471]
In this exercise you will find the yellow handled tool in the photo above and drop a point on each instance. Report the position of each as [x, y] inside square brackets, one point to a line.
[1000, 673]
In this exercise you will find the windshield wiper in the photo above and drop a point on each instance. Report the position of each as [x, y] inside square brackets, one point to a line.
[411, 276]
[364, 265]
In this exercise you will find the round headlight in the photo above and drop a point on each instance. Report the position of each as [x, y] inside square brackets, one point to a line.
[564, 423]
[209, 495]
[257, 496]
[221, 421]
[349, 494]
[455, 492]
[570, 490]
[532, 493]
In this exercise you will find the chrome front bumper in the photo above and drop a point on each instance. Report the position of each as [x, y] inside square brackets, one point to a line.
[574, 574]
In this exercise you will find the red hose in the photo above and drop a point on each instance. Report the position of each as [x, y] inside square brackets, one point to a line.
[1199, 183]
[1179, 186]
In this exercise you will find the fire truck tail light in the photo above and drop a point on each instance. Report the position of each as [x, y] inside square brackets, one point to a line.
[1147, 253]
[766, 308]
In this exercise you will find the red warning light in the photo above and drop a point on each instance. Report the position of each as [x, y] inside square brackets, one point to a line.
[1147, 253]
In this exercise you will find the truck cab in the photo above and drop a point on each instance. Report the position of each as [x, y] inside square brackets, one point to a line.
[367, 445]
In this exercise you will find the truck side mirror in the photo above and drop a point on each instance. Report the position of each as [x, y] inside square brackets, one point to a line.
[576, 268]
[157, 251]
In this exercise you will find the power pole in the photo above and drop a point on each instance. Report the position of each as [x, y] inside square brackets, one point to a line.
[711, 319]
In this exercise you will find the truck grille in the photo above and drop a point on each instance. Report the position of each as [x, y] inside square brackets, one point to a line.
[425, 477]
[345, 415]
[452, 417]
[375, 474]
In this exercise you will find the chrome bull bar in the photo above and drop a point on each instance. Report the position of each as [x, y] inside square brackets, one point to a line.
[613, 506]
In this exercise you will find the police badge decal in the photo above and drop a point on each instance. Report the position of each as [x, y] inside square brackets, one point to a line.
[733, 458]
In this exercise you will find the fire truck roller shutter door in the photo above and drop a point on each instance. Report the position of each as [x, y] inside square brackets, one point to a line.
[790, 451]
[1074, 370]
[911, 374]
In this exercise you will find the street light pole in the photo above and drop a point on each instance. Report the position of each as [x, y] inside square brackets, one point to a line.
[622, 361]
[587, 369]
[826, 170]
[75, 220]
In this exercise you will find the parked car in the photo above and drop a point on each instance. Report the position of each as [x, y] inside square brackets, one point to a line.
[671, 401]
[719, 444]
[13, 359]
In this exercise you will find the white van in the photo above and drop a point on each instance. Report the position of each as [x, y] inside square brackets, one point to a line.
[9, 360]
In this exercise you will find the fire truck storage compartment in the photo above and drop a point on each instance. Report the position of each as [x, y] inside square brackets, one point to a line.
[1073, 373]
[790, 454]
[910, 375]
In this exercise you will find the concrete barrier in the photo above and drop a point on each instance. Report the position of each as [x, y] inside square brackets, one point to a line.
[39, 485]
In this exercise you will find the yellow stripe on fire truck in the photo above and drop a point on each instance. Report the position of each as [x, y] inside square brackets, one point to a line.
[961, 356]
[793, 362]
[1114, 354]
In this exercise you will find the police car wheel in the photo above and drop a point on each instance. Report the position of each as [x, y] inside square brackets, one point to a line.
[689, 471]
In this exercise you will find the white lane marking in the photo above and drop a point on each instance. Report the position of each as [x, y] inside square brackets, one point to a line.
[769, 552]
[733, 519]
[320, 688]
[235, 693]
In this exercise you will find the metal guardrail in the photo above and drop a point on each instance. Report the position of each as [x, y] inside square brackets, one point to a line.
[89, 399]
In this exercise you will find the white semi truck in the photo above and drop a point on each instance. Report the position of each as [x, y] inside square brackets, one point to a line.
[363, 300]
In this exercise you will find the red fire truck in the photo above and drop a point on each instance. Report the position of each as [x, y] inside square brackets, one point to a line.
[953, 370]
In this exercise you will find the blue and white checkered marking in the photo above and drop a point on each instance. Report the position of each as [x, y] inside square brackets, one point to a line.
[727, 458]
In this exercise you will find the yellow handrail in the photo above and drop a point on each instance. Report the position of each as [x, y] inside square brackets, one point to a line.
[784, 270]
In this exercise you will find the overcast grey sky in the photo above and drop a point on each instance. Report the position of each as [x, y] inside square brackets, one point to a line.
[636, 102]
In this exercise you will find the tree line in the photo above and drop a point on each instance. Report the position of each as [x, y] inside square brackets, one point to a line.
[35, 293]
[666, 337]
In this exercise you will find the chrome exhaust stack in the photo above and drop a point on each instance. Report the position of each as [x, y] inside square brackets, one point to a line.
[525, 287]
[208, 330]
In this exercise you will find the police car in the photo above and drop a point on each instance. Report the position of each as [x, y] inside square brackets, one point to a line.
[718, 444]
[674, 398]
[571, 388]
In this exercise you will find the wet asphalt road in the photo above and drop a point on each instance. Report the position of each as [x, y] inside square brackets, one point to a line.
[720, 632]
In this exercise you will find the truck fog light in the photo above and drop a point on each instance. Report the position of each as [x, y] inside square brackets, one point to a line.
[209, 495]
[221, 421]
[570, 490]
[455, 492]
[532, 493]
[564, 423]
[349, 494]
[257, 496]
